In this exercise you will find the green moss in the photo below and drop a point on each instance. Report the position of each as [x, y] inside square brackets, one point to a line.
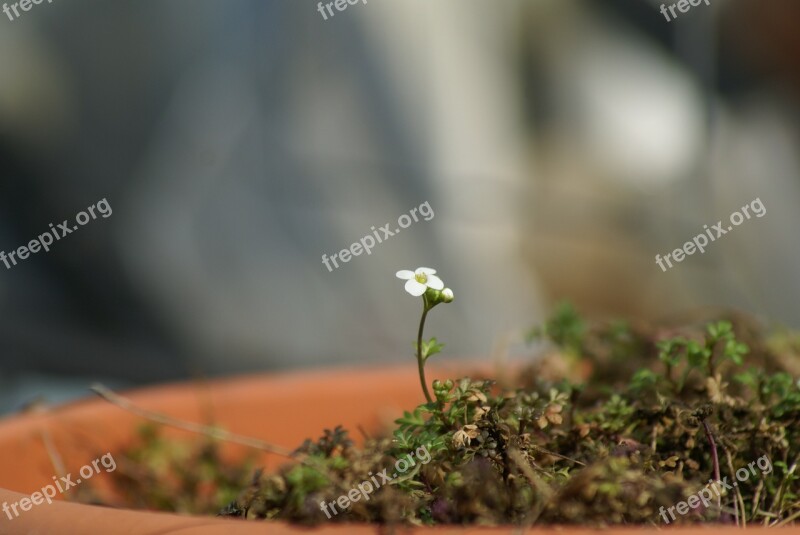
[650, 425]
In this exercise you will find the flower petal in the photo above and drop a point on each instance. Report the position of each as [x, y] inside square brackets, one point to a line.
[404, 274]
[415, 288]
[427, 271]
[435, 282]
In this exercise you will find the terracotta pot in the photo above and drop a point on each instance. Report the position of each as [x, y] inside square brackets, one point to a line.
[281, 409]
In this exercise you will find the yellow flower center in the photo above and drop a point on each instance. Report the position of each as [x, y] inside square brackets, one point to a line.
[421, 278]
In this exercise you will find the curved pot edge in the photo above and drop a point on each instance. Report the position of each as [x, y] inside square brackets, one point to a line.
[70, 518]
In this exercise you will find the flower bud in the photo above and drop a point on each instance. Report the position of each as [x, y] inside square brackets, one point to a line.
[447, 295]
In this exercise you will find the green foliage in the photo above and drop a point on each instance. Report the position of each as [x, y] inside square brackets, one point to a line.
[430, 348]
[750, 378]
[784, 392]
[615, 415]
[779, 385]
[411, 420]
[644, 379]
[565, 328]
[732, 349]
[456, 402]
[303, 480]
[608, 448]
[703, 357]
[185, 477]
[696, 355]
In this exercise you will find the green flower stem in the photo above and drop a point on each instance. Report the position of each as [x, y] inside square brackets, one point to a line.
[420, 359]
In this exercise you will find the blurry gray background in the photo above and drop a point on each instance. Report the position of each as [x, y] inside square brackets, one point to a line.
[560, 143]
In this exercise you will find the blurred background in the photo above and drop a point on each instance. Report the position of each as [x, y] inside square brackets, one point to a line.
[561, 145]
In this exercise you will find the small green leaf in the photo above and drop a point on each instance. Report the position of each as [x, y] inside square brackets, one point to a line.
[410, 419]
[668, 351]
[431, 347]
[697, 355]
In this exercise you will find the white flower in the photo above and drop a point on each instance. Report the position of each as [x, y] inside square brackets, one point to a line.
[420, 280]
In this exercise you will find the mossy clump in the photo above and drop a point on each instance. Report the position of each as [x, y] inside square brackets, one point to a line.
[615, 424]
[158, 473]
[608, 449]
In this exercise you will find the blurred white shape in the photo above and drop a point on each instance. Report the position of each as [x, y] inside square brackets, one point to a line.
[637, 115]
